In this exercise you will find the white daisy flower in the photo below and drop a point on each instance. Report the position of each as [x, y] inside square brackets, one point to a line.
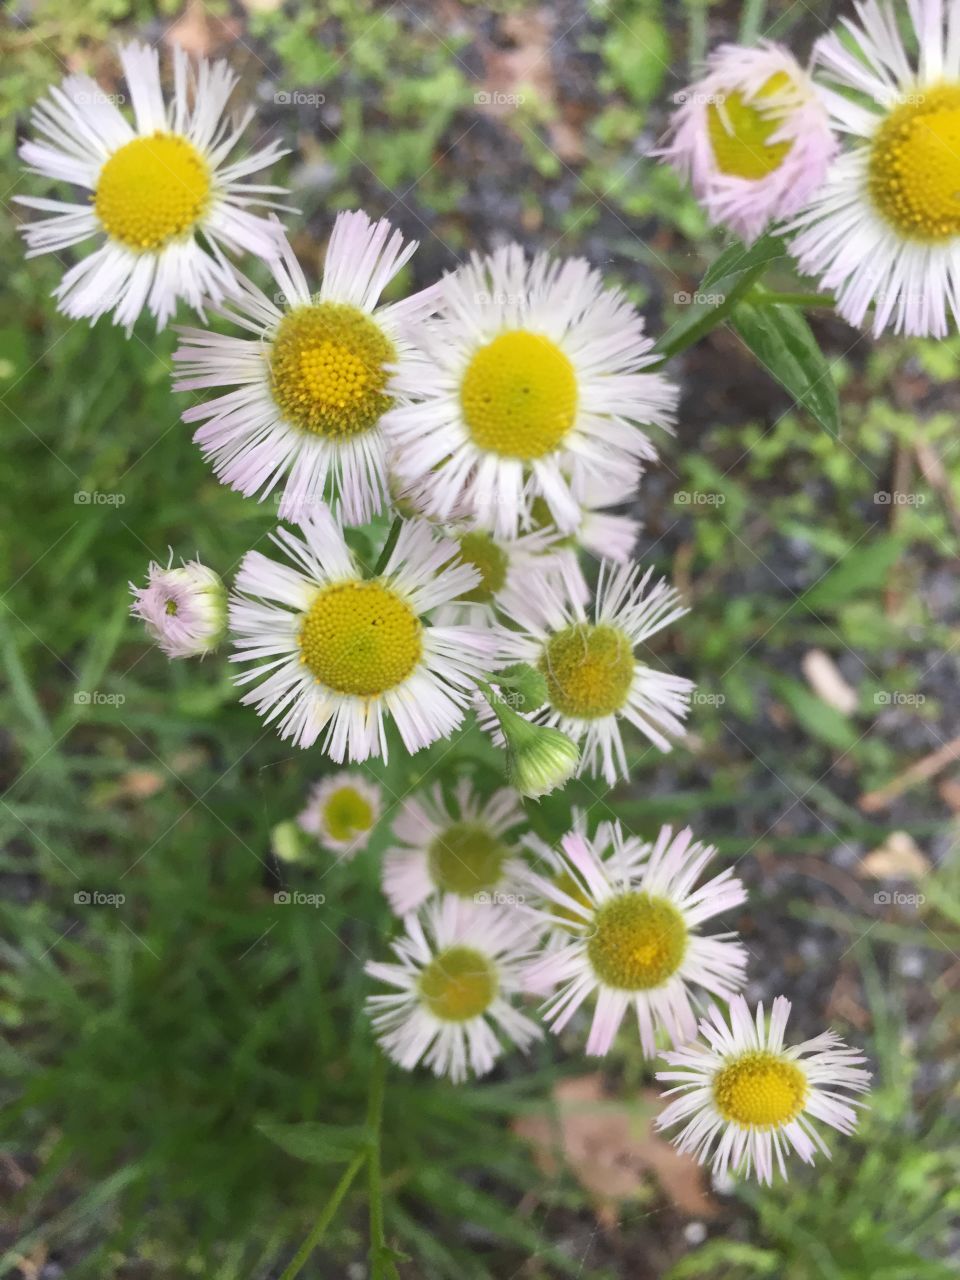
[531, 375]
[184, 609]
[166, 199]
[508, 568]
[746, 1100]
[608, 842]
[634, 923]
[457, 969]
[311, 383]
[884, 229]
[342, 811]
[594, 677]
[335, 651]
[460, 848]
[752, 137]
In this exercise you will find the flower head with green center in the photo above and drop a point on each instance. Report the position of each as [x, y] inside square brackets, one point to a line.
[457, 967]
[335, 653]
[883, 230]
[532, 376]
[752, 137]
[184, 609]
[745, 1099]
[165, 199]
[342, 811]
[594, 676]
[461, 846]
[625, 920]
[311, 382]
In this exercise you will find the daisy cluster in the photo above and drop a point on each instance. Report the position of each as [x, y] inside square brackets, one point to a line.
[447, 465]
[855, 158]
[495, 919]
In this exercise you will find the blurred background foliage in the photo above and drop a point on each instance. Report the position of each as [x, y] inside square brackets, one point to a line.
[154, 1050]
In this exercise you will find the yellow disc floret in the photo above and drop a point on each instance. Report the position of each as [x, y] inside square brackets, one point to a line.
[490, 561]
[914, 170]
[519, 395]
[328, 369]
[360, 638]
[740, 131]
[152, 190]
[760, 1090]
[458, 983]
[636, 941]
[465, 859]
[588, 669]
[347, 813]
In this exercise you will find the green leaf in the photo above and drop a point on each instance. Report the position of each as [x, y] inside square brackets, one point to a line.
[861, 571]
[817, 717]
[318, 1143]
[782, 341]
[737, 258]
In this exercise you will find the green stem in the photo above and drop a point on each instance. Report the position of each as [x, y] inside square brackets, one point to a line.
[374, 1182]
[751, 20]
[693, 333]
[796, 299]
[388, 546]
[327, 1216]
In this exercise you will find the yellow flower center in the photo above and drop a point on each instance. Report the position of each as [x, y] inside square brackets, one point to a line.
[347, 813]
[152, 190]
[760, 1090]
[740, 132]
[914, 169]
[490, 561]
[360, 638]
[465, 859]
[458, 984]
[519, 395]
[636, 941]
[588, 669]
[327, 369]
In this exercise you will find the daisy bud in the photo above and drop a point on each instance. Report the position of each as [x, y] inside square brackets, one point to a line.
[753, 137]
[539, 759]
[286, 843]
[184, 610]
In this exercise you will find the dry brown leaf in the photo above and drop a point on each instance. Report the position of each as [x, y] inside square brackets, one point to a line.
[199, 32]
[824, 678]
[898, 858]
[611, 1148]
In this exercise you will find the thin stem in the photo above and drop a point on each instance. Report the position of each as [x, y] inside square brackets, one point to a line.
[327, 1216]
[751, 20]
[796, 299]
[374, 1183]
[388, 546]
[669, 348]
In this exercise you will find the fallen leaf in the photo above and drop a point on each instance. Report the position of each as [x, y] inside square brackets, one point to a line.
[824, 678]
[198, 32]
[611, 1147]
[898, 858]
